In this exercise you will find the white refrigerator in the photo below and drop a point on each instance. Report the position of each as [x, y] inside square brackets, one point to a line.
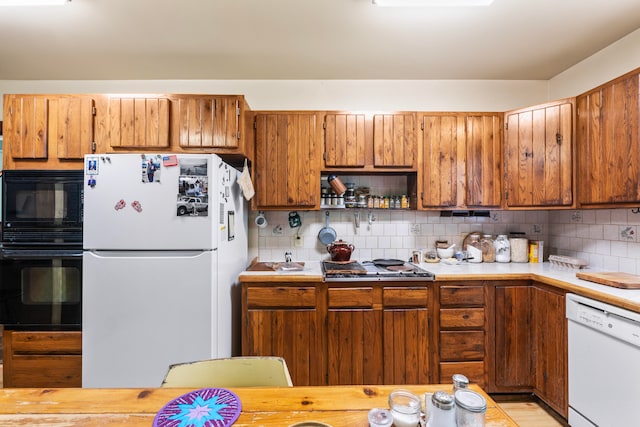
[164, 237]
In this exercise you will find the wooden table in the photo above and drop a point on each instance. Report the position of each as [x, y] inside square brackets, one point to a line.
[261, 406]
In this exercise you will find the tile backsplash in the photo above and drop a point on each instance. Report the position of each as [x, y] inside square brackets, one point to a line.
[382, 233]
[606, 238]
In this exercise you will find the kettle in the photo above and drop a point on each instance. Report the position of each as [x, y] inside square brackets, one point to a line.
[340, 250]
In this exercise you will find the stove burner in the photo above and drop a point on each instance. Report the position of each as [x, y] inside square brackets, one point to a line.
[373, 270]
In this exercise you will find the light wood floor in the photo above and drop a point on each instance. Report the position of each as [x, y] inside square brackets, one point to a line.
[529, 414]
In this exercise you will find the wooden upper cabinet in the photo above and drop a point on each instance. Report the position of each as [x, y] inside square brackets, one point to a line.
[26, 126]
[443, 146]
[72, 122]
[484, 160]
[607, 144]
[207, 122]
[394, 140]
[344, 140]
[287, 160]
[538, 156]
[47, 131]
[138, 122]
[461, 160]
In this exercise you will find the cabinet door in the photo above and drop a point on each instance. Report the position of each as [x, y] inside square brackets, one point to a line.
[71, 119]
[354, 337]
[207, 122]
[287, 160]
[344, 140]
[551, 346]
[405, 336]
[42, 359]
[607, 143]
[443, 152]
[138, 123]
[394, 140]
[283, 321]
[26, 126]
[484, 160]
[513, 362]
[538, 156]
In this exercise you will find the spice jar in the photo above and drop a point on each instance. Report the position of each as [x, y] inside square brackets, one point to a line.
[443, 410]
[474, 249]
[488, 250]
[519, 247]
[350, 195]
[471, 408]
[503, 248]
[459, 382]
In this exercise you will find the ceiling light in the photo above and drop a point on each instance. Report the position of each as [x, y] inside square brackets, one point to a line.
[33, 2]
[431, 3]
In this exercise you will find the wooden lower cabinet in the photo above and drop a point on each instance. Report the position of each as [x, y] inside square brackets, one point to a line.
[42, 359]
[507, 336]
[369, 333]
[284, 321]
[462, 324]
[512, 369]
[550, 344]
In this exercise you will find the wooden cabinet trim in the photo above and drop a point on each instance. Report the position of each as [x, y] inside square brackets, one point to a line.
[281, 296]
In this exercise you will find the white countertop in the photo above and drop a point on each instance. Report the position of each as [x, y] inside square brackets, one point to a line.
[628, 298]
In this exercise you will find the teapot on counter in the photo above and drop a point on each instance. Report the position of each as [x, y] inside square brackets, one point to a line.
[340, 250]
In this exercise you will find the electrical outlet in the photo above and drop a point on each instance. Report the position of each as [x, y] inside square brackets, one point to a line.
[576, 216]
[298, 241]
[536, 229]
[415, 229]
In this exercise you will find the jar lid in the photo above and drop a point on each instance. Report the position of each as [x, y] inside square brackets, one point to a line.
[460, 380]
[470, 400]
[442, 400]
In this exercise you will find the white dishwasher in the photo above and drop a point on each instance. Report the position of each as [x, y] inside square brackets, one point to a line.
[604, 364]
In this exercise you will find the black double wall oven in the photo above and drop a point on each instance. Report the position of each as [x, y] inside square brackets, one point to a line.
[41, 285]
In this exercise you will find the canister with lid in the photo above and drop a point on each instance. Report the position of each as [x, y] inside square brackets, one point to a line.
[471, 408]
[519, 247]
[474, 248]
[503, 248]
[488, 250]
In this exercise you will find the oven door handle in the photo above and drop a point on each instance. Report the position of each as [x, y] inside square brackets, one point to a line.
[40, 253]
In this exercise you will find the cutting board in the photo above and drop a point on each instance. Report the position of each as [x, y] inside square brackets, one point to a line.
[615, 279]
[345, 267]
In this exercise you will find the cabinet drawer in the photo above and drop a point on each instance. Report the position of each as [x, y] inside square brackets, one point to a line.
[43, 371]
[46, 342]
[282, 297]
[461, 295]
[472, 370]
[405, 297]
[461, 345]
[461, 318]
[350, 297]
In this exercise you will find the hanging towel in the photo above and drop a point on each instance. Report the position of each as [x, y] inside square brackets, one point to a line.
[245, 182]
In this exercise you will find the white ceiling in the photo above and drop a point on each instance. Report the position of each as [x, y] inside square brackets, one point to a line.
[305, 39]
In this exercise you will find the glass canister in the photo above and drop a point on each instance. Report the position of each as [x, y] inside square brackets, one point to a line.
[488, 249]
[474, 249]
[519, 247]
[443, 412]
[405, 408]
[503, 248]
[350, 195]
[471, 408]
